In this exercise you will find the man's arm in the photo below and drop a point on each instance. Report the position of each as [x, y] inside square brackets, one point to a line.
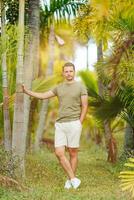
[45, 95]
[84, 103]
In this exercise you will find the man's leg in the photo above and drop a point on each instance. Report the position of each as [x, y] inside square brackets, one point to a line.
[60, 153]
[73, 153]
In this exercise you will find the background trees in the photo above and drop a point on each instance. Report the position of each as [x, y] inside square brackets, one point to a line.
[27, 62]
[7, 123]
[35, 53]
[19, 139]
[106, 19]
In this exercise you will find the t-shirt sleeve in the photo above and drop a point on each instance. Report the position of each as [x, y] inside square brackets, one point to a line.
[54, 90]
[83, 90]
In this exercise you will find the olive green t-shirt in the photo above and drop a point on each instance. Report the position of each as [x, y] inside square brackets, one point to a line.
[69, 96]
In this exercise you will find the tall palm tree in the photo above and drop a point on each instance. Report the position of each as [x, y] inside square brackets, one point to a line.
[95, 16]
[31, 61]
[7, 124]
[103, 19]
[112, 154]
[122, 21]
[19, 140]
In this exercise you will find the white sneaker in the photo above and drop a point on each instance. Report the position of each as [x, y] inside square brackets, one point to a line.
[75, 182]
[68, 184]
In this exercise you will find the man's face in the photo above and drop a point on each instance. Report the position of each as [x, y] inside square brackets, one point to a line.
[69, 73]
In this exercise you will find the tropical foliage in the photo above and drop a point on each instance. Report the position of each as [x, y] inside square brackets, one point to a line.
[107, 23]
[127, 177]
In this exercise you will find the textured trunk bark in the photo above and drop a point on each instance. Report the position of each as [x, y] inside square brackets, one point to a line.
[31, 64]
[19, 140]
[110, 141]
[98, 137]
[44, 108]
[34, 25]
[7, 123]
[32, 121]
[129, 139]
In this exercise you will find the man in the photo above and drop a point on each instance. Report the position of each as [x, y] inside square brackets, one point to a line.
[73, 103]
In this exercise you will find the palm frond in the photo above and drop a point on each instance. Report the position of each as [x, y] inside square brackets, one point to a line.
[128, 117]
[44, 84]
[122, 16]
[108, 108]
[59, 10]
[127, 177]
[104, 107]
[81, 26]
[125, 70]
[126, 95]
[90, 82]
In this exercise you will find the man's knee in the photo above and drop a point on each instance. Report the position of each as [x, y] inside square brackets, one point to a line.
[59, 152]
[73, 152]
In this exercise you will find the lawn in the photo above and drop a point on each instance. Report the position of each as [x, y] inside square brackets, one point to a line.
[45, 178]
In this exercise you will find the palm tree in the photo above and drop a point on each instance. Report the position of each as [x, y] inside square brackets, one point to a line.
[107, 108]
[127, 96]
[31, 61]
[110, 141]
[19, 141]
[122, 22]
[112, 19]
[95, 16]
[7, 124]
[127, 177]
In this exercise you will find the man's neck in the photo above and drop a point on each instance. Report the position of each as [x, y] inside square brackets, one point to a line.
[69, 82]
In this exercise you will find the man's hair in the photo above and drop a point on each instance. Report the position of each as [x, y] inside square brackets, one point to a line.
[68, 64]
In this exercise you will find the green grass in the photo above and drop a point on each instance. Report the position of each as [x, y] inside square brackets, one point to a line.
[45, 178]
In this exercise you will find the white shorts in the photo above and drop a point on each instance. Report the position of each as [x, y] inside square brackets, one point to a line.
[68, 134]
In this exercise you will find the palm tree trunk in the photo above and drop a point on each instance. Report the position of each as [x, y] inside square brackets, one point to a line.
[31, 64]
[7, 124]
[34, 21]
[32, 121]
[110, 141]
[19, 140]
[44, 108]
[129, 139]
